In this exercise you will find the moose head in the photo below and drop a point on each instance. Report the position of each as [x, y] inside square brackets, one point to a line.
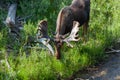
[58, 40]
[67, 38]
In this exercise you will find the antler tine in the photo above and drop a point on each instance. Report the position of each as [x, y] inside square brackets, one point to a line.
[73, 35]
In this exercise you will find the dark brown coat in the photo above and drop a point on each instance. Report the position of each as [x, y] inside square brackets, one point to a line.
[79, 10]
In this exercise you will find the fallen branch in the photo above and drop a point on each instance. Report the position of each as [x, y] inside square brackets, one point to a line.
[113, 51]
[12, 22]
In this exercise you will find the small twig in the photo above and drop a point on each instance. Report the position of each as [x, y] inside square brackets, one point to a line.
[23, 19]
[6, 61]
[8, 65]
[113, 51]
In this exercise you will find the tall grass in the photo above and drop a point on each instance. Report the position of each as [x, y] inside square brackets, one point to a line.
[38, 64]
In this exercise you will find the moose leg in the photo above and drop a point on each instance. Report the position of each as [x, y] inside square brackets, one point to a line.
[85, 30]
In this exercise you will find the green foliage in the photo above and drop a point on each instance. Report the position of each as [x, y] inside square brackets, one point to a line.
[104, 30]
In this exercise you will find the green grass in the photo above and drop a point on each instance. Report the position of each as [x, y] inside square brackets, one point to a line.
[37, 64]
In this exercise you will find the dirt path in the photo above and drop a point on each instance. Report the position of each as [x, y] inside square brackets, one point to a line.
[110, 70]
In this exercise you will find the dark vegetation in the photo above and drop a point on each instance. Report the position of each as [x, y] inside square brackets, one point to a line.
[104, 31]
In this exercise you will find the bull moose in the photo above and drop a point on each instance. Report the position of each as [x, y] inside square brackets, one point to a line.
[79, 10]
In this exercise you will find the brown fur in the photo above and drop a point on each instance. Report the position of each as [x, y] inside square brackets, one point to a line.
[78, 11]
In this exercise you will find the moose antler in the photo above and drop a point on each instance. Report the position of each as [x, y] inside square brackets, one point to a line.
[42, 35]
[73, 35]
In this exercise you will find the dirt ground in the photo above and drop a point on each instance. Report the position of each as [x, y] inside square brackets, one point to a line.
[110, 70]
